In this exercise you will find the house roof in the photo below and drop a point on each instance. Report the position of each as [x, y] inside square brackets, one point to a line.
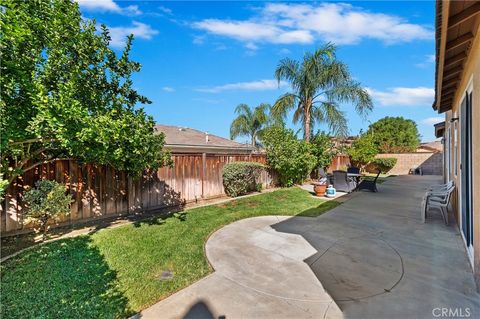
[434, 146]
[184, 137]
[456, 27]
[439, 129]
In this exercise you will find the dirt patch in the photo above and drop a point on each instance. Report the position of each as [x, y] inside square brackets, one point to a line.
[252, 205]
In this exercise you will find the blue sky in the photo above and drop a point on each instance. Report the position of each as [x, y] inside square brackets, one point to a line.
[201, 59]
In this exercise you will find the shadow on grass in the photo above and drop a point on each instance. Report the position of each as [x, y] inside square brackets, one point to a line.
[66, 279]
[320, 209]
[13, 244]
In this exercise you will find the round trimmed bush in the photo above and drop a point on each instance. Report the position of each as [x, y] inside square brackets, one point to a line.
[240, 178]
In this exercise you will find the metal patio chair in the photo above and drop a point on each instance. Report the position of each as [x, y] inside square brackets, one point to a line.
[439, 199]
[369, 184]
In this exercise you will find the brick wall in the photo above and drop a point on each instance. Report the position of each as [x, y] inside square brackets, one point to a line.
[431, 163]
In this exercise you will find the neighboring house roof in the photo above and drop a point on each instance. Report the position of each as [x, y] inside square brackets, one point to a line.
[187, 139]
[435, 146]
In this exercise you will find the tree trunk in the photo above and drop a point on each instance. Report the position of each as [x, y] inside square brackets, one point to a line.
[254, 140]
[307, 123]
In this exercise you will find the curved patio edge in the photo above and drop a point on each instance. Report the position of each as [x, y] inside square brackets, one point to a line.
[259, 273]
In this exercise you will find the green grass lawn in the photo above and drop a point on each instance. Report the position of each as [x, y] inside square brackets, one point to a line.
[117, 272]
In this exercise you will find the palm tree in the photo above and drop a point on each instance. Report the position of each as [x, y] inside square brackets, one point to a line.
[320, 83]
[249, 121]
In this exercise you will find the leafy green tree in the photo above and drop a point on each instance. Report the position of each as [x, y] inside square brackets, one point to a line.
[291, 158]
[251, 122]
[46, 201]
[66, 94]
[362, 151]
[320, 83]
[323, 149]
[395, 135]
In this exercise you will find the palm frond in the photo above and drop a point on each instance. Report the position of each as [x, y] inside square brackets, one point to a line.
[284, 104]
[243, 109]
[336, 120]
[298, 115]
[260, 116]
[288, 70]
[352, 92]
[240, 126]
[329, 113]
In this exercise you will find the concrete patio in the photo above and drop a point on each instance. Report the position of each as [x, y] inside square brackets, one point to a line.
[371, 257]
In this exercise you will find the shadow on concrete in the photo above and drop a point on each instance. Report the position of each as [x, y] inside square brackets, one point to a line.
[376, 258]
[201, 310]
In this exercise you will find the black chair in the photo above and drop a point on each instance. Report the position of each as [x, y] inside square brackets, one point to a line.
[353, 170]
[342, 182]
[369, 184]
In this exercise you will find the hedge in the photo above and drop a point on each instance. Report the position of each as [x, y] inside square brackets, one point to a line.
[240, 178]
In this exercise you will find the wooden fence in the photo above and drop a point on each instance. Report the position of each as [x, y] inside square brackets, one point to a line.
[339, 162]
[100, 191]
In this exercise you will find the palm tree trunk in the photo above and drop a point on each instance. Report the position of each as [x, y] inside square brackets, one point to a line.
[254, 140]
[307, 123]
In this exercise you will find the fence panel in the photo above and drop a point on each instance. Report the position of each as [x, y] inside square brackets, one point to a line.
[100, 191]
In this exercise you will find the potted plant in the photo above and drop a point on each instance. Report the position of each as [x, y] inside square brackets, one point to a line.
[319, 187]
[324, 150]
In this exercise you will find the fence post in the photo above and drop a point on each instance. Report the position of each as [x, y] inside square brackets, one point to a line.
[204, 171]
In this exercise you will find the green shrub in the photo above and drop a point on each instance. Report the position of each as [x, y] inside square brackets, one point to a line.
[240, 178]
[323, 149]
[291, 158]
[362, 151]
[3, 186]
[384, 164]
[46, 201]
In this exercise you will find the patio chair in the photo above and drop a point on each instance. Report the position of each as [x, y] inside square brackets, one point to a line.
[342, 182]
[441, 187]
[369, 184]
[439, 199]
[353, 170]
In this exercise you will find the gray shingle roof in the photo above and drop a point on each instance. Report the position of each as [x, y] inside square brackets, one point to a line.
[184, 136]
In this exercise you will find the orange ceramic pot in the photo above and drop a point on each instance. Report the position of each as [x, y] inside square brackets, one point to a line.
[319, 189]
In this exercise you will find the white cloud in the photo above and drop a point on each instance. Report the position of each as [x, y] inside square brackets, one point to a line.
[220, 47]
[108, 6]
[429, 59]
[432, 120]
[306, 23]
[208, 101]
[404, 96]
[253, 32]
[260, 85]
[168, 89]
[99, 5]
[251, 46]
[165, 10]
[198, 39]
[132, 10]
[138, 29]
